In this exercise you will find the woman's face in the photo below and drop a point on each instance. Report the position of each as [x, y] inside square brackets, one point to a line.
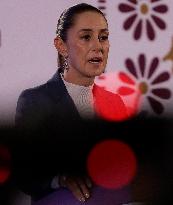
[87, 47]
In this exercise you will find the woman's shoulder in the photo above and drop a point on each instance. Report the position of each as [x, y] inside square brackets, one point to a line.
[43, 89]
[34, 91]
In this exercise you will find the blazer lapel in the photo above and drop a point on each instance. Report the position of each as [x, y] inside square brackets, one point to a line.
[62, 100]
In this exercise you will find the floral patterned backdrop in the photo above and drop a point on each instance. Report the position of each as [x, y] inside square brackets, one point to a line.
[142, 54]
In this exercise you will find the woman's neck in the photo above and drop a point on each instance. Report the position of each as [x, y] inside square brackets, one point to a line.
[77, 79]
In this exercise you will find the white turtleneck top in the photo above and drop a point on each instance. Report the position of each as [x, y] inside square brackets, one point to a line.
[82, 97]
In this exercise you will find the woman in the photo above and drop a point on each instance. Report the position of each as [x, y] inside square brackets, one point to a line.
[82, 44]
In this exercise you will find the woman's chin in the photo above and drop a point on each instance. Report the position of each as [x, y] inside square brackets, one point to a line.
[99, 72]
[96, 71]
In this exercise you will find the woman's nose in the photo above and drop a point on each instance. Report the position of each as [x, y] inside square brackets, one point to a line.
[97, 46]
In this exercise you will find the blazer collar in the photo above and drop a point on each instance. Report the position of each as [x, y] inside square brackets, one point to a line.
[58, 92]
[56, 87]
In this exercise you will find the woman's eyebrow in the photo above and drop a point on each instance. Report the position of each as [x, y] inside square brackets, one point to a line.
[88, 29]
[104, 30]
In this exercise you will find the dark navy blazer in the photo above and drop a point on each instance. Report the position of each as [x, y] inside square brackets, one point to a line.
[50, 112]
[48, 101]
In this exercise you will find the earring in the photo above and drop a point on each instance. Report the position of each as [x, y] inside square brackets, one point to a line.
[65, 64]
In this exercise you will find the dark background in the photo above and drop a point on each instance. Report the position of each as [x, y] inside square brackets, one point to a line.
[34, 153]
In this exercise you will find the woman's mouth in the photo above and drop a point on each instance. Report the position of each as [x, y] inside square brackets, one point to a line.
[96, 60]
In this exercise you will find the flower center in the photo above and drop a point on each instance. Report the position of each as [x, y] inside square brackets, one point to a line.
[144, 9]
[143, 87]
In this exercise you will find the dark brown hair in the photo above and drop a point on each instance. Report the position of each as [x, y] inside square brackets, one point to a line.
[67, 20]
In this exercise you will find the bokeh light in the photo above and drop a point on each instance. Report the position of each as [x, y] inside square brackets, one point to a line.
[109, 106]
[112, 164]
[5, 159]
[110, 103]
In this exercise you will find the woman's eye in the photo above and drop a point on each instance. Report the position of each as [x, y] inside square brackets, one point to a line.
[103, 38]
[86, 37]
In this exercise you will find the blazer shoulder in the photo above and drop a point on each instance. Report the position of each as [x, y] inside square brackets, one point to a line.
[53, 89]
[35, 91]
[30, 105]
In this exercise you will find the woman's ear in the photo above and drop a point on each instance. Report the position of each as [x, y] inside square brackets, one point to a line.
[60, 46]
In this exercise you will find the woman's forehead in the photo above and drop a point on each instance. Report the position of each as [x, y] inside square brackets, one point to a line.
[90, 20]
